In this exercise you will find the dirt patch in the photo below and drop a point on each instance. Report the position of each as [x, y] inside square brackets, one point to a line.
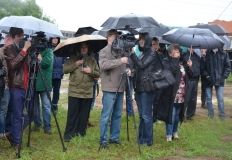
[185, 158]
[227, 138]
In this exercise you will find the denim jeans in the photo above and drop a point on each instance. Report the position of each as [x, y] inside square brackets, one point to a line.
[15, 118]
[173, 128]
[46, 110]
[144, 102]
[4, 101]
[111, 115]
[220, 100]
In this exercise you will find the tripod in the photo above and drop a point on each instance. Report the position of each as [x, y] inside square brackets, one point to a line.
[129, 98]
[35, 68]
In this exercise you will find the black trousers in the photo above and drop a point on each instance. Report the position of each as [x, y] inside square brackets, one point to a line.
[191, 98]
[56, 92]
[78, 115]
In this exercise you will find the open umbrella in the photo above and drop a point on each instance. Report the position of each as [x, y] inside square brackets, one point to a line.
[131, 20]
[218, 30]
[194, 37]
[154, 31]
[84, 30]
[69, 46]
[30, 25]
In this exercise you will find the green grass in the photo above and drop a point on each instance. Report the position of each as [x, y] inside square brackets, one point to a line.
[229, 79]
[198, 138]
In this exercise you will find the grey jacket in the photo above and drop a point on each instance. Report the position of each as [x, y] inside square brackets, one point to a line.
[111, 69]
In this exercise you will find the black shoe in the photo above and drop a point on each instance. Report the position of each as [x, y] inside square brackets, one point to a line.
[114, 142]
[9, 138]
[17, 150]
[203, 106]
[48, 131]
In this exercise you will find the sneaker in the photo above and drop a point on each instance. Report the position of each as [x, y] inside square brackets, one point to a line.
[175, 136]
[169, 138]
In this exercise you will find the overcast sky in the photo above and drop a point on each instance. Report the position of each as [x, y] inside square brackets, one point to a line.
[72, 14]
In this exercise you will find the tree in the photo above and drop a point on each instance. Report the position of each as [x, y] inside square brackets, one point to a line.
[22, 8]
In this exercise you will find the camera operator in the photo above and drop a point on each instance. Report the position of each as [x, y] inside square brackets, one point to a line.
[43, 84]
[112, 65]
[18, 77]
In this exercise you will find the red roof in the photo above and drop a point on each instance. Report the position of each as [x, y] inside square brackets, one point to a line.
[227, 25]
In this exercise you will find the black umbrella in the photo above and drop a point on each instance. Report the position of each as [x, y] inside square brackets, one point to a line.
[218, 30]
[70, 45]
[154, 31]
[194, 37]
[85, 30]
[131, 20]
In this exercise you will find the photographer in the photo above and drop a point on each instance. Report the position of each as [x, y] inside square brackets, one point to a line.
[18, 77]
[112, 65]
[43, 84]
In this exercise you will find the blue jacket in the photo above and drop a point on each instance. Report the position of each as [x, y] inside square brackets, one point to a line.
[58, 67]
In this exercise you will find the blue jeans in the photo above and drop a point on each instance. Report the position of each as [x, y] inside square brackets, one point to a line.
[144, 102]
[220, 100]
[15, 118]
[111, 115]
[4, 101]
[173, 128]
[46, 109]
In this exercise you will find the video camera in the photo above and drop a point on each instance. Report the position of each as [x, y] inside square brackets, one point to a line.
[39, 43]
[124, 43]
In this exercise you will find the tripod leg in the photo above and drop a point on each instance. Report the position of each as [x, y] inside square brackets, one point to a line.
[127, 127]
[53, 113]
[134, 120]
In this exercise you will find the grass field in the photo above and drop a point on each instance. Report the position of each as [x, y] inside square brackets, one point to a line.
[200, 139]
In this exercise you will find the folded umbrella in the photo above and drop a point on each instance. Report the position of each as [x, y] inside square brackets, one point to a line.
[70, 45]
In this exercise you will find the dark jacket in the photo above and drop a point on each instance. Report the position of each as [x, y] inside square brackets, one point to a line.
[217, 68]
[194, 71]
[58, 67]
[165, 103]
[143, 68]
[17, 64]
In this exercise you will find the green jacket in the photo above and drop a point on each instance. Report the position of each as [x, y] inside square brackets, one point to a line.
[81, 84]
[46, 66]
